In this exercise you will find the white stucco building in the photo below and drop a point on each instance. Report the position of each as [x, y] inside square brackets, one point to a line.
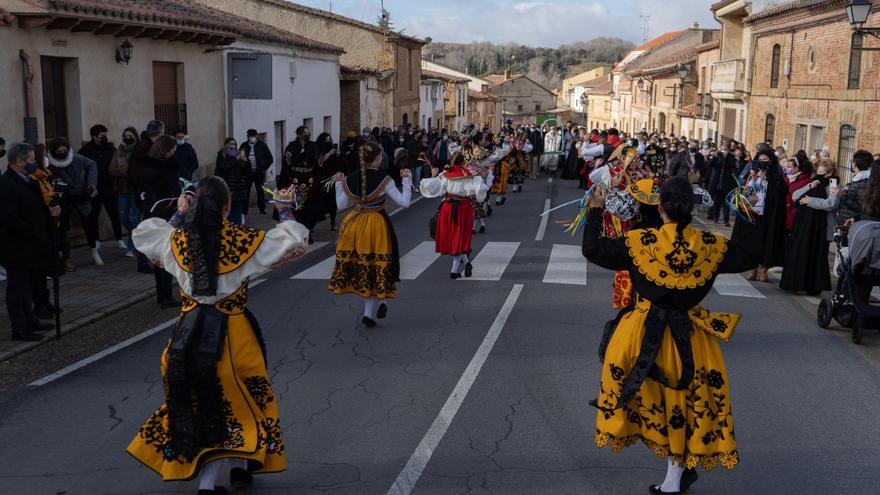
[276, 88]
[474, 83]
[432, 103]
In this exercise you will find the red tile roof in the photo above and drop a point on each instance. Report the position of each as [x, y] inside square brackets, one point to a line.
[663, 38]
[482, 96]
[185, 14]
[429, 74]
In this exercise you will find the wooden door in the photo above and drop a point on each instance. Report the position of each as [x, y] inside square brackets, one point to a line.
[54, 98]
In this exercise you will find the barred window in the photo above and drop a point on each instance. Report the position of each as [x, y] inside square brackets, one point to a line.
[855, 62]
[774, 66]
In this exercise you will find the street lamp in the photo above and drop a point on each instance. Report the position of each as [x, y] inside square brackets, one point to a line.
[123, 53]
[683, 71]
[857, 12]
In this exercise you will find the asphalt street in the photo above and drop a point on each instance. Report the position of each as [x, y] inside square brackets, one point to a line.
[469, 386]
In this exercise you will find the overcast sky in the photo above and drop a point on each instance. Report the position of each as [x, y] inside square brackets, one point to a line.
[528, 22]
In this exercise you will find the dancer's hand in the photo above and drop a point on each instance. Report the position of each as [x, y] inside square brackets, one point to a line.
[293, 254]
[406, 174]
[338, 177]
[597, 200]
[435, 171]
[184, 202]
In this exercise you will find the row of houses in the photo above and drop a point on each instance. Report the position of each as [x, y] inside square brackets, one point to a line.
[216, 68]
[795, 73]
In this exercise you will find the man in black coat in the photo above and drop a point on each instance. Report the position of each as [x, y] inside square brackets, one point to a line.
[101, 151]
[26, 250]
[722, 168]
[260, 159]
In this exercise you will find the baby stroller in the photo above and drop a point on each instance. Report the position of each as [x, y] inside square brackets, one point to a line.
[850, 302]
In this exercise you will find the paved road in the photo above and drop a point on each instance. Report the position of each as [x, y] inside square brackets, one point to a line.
[470, 386]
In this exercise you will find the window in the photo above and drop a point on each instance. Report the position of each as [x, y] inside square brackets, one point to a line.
[800, 137]
[774, 66]
[703, 78]
[811, 59]
[769, 127]
[537, 107]
[855, 62]
[519, 108]
[310, 123]
[328, 124]
[817, 138]
[845, 150]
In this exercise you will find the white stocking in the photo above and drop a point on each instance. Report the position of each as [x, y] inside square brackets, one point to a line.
[370, 306]
[482, 222]
[456, 264]
[672, 483]
[208, 475]
[465, 259]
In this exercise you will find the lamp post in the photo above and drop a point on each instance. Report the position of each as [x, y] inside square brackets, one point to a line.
[857, 12]
[682, 75]
[123, 53]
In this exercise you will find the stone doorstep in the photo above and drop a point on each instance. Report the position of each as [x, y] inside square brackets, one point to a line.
[20, 347]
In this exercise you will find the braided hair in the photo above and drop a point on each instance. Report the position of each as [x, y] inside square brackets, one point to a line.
[367, 154]
[203, 223]
[677, 201]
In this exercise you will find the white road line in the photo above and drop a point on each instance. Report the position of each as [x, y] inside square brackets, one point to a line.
[567, 266]
[418, 260]
[543, 227]
[320, 271]
[412, 471]
[106, 352]
[550, 180]
[493, 260]
[395, 212]
[734, 284]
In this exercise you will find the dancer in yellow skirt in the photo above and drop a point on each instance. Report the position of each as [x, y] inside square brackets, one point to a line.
[501, 171]
[367, 257]
[663, 376]
[218, 400]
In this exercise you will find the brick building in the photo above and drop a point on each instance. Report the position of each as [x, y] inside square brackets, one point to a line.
[599, 93]
[705, 119]
[811, 87]
[523, 99]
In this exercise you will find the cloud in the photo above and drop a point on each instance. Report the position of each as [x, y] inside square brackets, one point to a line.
[547, 23]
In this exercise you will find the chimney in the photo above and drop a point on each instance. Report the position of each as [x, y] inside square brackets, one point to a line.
[507, 74]
[696, 25]
[484, 88]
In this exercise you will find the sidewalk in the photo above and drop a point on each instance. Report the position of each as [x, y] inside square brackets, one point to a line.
[92, 293]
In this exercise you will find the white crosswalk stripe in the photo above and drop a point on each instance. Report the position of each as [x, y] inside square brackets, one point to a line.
[734, 284]
[321, 271]
[418, 260]
[492, 261]
[567, 266]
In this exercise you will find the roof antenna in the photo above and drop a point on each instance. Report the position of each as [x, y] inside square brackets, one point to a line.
[646, 26]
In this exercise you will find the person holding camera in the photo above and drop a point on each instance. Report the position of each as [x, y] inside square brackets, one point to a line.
[76, 182]
[26, 250]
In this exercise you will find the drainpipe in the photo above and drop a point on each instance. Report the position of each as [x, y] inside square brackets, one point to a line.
[27, 77]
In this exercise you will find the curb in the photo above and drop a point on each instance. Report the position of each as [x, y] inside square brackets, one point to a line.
[79, 323]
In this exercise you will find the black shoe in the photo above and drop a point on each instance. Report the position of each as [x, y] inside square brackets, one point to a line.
[688, 478]
[504, 200]
[655, 489]
[42, 312]
[240, 478]
[38, 326]
[169, 303]
[28, 336]
[262, 212]
[489, 211]
[455, 276]
[482, 229]
[369, 322]
[468, 270]
[382, 312]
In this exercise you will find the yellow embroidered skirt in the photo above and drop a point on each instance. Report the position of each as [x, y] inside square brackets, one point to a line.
[499, 184]
[693, 426]
[254, 432]
[365, 257]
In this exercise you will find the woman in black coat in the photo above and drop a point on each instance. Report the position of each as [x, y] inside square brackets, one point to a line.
[234, 168]
[330, 162]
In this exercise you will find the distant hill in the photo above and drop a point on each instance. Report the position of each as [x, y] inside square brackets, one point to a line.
[547, 66]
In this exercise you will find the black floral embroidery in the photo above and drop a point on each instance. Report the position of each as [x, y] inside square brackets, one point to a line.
[715, 379]
[236, 302]
[677, 420]
[708, 238]
[648, 237]
[718, 325]
[681, 259]
[616, 372]
[270, 436]
[363, 273]
[260, 390]
[237, 244]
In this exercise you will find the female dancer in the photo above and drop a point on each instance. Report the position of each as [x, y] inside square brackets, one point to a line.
[367, 258]
[455, 220]
[519, 160]
[501, 171]
[663, 376]
[218, 400]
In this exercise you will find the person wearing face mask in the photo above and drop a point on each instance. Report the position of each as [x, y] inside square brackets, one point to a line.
[300, 171]
[260, 159]
[806, 268]
[441, 150]
[799, 172]
[129, 212]
[101, 151]
[26, 251]
[330, 163]
[77, 178]
[185, 155]
[234, 168]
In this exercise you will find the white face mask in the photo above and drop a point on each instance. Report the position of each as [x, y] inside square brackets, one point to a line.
[252, 140]
[181, 142]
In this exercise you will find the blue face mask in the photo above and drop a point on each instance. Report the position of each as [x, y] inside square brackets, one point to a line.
[231, 152]
[181, 142]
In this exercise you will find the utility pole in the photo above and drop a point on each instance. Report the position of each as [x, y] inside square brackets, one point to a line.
[645, 19]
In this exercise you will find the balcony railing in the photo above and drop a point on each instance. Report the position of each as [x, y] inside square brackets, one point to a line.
[729, 76]
[173, 115]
